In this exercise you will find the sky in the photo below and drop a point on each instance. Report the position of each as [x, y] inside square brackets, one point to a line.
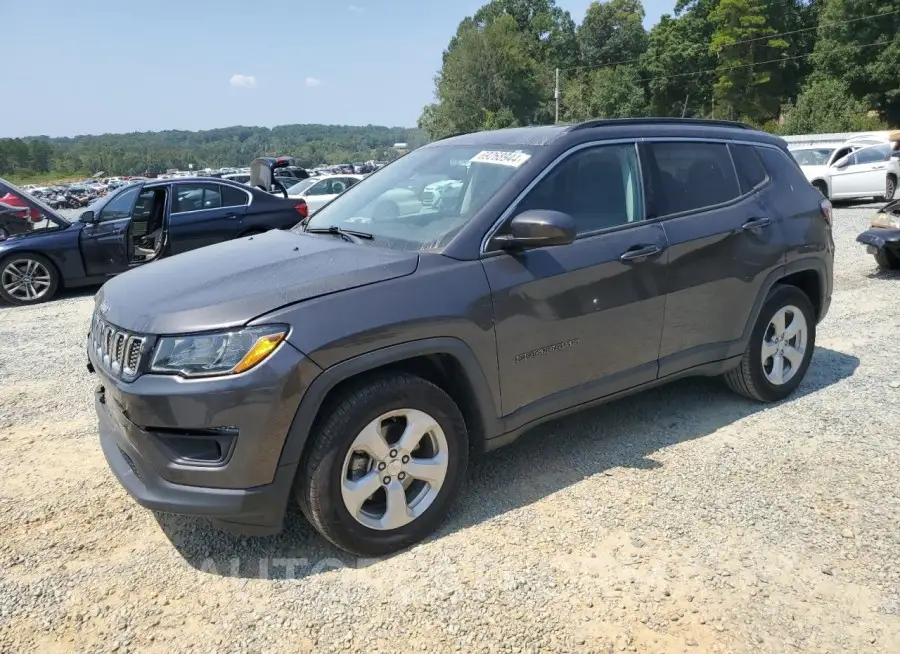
[101, 66]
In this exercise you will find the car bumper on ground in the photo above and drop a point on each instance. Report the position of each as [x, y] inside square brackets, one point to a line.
[877, 238]
[210, 448]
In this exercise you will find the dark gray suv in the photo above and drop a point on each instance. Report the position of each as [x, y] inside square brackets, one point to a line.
[356, 363]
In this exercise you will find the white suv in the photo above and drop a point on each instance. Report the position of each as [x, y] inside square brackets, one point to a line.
[852, 170]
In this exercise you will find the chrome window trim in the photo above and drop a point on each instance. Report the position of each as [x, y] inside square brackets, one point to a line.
[636, 141]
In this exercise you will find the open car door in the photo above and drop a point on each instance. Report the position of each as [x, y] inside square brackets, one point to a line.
[104, 237]
[262, 173]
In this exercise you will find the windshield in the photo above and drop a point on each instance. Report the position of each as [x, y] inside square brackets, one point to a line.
[297, 189]
[22, 213]
[423, 199]
[812, 156]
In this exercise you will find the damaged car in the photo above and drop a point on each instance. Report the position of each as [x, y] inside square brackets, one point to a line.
[882, 239]
[134, 225]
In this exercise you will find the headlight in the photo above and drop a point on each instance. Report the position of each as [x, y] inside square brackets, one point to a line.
[221, 353]
[886, 220]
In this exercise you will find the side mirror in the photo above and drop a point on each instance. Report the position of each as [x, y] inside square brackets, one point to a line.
[537, 228]
[842, 162]
[87, 217]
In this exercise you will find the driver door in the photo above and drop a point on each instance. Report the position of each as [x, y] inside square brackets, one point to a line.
[104, 241]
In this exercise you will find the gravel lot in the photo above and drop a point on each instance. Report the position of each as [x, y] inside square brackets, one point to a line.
[681, 520]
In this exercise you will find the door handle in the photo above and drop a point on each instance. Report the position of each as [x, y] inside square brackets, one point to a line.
[756, 223]
[640, 252]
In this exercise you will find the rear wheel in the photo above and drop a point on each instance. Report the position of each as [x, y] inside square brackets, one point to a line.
[890, 188]
[27, 279]
[387, 459]
[887, 259]
[780, 347]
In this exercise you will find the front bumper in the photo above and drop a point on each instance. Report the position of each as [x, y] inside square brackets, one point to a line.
[879, 237]
[149, 430]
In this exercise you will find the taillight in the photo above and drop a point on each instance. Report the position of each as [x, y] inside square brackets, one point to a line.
[302, 209]
[825, 207]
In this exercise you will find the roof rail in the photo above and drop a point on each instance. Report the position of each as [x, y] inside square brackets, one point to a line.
[661, 120]
[450, 136]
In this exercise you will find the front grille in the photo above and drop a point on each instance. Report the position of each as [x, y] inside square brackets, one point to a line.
[118, 351]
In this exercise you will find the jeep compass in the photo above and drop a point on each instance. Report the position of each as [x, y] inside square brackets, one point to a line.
[357, 362]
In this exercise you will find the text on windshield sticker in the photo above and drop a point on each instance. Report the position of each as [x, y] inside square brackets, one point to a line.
[514, 159]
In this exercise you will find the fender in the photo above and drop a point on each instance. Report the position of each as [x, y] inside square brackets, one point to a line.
[331, 377]
[773, 278]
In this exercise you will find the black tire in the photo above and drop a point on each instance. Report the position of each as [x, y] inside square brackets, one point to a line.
[890, 188]
[749, 378]
[318, 484]
[887, 259]
[25, 256]
[821, 187]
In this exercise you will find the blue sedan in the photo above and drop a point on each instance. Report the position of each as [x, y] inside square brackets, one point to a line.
[130, 227]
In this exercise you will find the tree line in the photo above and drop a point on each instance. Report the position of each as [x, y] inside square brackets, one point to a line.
[787, 66]
[140, 152]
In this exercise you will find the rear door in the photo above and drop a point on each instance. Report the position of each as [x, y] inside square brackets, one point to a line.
[199, 217]
[104, 242]
[722, 244]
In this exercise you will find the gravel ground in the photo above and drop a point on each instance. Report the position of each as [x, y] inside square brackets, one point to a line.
[684, 519]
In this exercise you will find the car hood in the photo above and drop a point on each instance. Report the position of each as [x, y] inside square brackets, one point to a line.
[229, 284]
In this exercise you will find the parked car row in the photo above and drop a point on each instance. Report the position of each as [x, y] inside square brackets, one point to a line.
[138, 223]
[862, 167]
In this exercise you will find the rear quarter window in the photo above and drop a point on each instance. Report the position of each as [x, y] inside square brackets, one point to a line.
[750, 170]
[783, 169]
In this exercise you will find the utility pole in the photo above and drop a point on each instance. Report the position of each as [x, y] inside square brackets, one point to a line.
[684, 111]
[556, 95]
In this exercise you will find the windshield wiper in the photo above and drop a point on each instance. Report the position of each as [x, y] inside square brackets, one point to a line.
[334, 229]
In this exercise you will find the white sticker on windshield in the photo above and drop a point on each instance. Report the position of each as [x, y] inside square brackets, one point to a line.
[514, 159]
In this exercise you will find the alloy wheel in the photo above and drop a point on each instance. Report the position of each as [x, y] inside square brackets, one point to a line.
[784, 345]
[26, 279]
[394, 469]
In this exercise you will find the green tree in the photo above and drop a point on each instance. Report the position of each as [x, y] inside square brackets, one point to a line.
[827, 105]
[676, 65]
[611, 92]
[744, 46]
[863, 53]
[612, 32]
[487, 76]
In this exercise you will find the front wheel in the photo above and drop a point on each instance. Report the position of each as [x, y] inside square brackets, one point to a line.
[27, 279]
[387, 459]
[780, 348]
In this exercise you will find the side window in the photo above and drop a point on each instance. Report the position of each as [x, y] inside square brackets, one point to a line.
[690, 176]
[212, 196]
[840, 154]
[196, 197]
[232, 197]
[783, 169]
[599, 187]
[874, 154]
[320, 188]
[120, 206]
[749, 168]
[144, 206]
